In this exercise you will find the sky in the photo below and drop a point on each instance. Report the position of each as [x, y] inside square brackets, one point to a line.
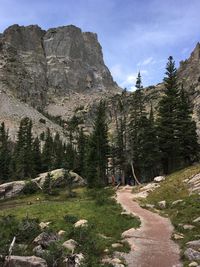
[135, 35]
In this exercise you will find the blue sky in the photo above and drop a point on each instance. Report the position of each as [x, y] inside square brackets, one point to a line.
[134, 34]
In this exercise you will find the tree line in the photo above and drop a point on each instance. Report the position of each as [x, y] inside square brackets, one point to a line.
[143, 145]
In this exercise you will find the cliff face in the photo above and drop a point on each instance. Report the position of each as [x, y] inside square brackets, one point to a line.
[36, 65]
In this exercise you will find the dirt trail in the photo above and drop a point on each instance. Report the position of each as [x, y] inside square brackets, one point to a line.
[151, 245]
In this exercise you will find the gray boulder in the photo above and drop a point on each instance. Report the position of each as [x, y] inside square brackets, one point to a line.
[162, 204]
[192, 254]
[12, 189]
[45, 239]
[159, 179]
[195, 244]
[19, 261]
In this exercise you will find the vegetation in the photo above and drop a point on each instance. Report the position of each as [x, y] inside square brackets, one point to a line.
[103, 217]
[172, 189]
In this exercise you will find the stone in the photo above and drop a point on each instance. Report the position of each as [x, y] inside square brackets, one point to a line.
[44, 225]
[61, 233]
[45, 239]
[197, 220]
[117, 245]
[70, 244]
[195, 244]
[128, 233]
[74, 260]
[177, 202]
[159, 179]
[192, 254]
[38, 251]
[11, 189]
[149, 206]
[188, 226]
[22, 261]
[81, 223]
[193, 264]
[177, 236]
[77, 179]
[162, 204]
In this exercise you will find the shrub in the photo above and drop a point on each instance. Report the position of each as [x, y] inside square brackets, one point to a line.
[30, 188]
[70, 218]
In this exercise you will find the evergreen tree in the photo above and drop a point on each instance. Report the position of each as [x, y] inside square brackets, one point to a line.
[186, 131]
[81, 152]
[37, 159]
[98, 149]
[47, 153]
[5, 154]
[24, 166]
[167, 119]
[58, 152]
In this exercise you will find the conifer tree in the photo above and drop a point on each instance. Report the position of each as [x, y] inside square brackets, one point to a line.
[47, 152]
[24, 166]
[186, 131]
[81, 152]
[58, 152]
[37, 160]
[98, 149]
[5, 155]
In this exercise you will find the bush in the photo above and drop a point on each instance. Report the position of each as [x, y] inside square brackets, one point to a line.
[30, 188]
[70, 218]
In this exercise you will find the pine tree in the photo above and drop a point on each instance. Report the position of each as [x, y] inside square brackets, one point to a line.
[167, 119]
[23, 153]
[98, 149]
[58, 152]
[81, 152]
[186, 131]
[47, 152]
[37, 157]
[5, 154]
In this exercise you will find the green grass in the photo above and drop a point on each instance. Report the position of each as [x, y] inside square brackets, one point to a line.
[174, 188]
[104, 218]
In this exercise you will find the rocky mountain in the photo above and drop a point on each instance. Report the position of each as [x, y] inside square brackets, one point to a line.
[56, 70]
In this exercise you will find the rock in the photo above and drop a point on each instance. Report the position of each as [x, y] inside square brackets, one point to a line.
[22, 261]
[178, 236]
[196, 220]
[192, 254]
[114, 262]
[177, 202]
[61, 233]
[11, 189]
[45, 239]
[117, 245]
[70, 244]
[195, 244]
[162, 204]
[74, 260]
[129, 233]
[149, 206]
[194, 183]
[125, 213]
[159, 179]
[44, 225]
[193, 264]
[188, 226]
[81, 223]
[77, 179]
[39, 251]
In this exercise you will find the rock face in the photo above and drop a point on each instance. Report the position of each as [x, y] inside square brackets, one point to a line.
[35, 64]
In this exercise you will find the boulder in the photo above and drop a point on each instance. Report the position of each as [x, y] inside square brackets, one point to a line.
[162, 204]
[21, 261]
[194, 244]
[177, 202]
[70, 244]
[74, 260]
[44, 225]
[159, 179]
[188, 227]
[45, 239]
[192, 254]
[11, 189]
[61, 233]
[117, 245]
[128, 233]
[77, 179]
[193, 264]
[81, 223]
[197, 220]
[38, 251]
[178, 236]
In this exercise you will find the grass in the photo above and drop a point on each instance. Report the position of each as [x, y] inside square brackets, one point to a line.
[103, 214]
[174, 188]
